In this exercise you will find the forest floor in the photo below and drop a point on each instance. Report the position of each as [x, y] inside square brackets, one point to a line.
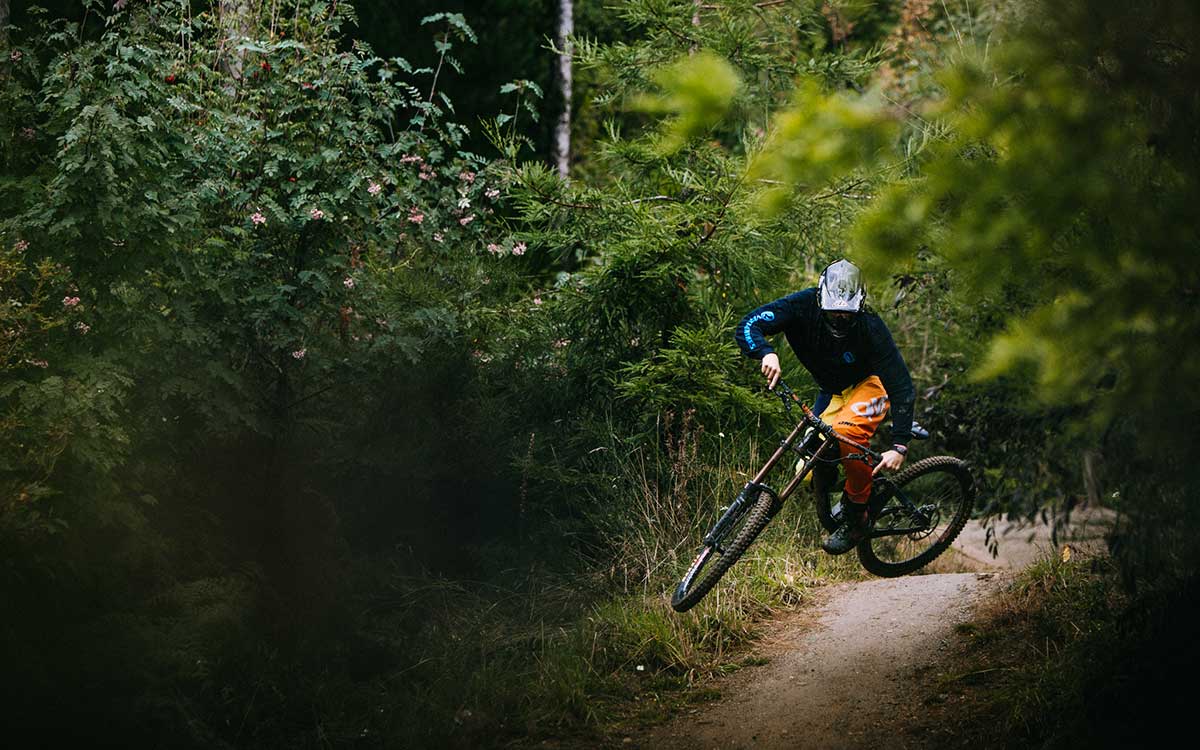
[862, 664]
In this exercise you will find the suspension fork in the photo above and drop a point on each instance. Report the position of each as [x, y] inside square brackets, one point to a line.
[752, 489]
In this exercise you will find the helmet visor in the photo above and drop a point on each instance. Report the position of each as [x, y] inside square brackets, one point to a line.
[842, 288]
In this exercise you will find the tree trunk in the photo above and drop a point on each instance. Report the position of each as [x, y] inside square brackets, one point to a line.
[4, 25]
[235, 21]
[562, 131]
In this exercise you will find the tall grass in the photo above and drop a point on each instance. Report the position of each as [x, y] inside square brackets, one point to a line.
[542, 657]
[1074, 659]
[665, 494]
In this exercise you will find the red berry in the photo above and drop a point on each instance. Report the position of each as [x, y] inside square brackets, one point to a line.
[266, 66]
[170, 78]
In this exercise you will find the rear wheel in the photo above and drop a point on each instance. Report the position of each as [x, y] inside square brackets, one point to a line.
[725, 544]
[923, 512]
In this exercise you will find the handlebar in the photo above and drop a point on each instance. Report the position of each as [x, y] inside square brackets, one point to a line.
[787, 395]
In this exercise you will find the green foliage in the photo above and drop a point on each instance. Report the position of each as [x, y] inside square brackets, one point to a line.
[262, 240]
[764, 48]
[699, 368]
[503, 130]
[58, 406]
[698, 91]
[285, 361]
[1078, 193]
[1065, 655]
[667, 238]
[509, 42]
[821, 138]
[225, 263]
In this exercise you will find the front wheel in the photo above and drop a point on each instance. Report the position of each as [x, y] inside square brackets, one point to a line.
[925, 506]
[725, 544]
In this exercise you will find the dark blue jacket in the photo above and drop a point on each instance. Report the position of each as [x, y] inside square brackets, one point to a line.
[835, 364]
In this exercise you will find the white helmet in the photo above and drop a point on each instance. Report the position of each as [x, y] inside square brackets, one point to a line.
[840, 290]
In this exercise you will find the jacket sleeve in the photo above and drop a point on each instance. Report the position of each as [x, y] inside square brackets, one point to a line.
[893, 372]
[773, 317]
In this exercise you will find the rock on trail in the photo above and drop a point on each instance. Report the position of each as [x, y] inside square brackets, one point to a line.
[846, 680]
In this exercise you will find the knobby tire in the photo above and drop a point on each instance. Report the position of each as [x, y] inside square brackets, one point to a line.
[702, 580]
[959, 488]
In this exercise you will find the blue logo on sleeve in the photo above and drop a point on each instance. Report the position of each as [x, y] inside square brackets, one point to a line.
[764, 315]
[848, 357]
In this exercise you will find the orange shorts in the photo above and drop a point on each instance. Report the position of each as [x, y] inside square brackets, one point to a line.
[856, 413]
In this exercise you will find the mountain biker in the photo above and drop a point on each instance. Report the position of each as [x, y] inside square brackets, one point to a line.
[850, 353]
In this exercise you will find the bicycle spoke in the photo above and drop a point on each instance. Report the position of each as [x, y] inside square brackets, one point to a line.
[738, 527]
[916, 518]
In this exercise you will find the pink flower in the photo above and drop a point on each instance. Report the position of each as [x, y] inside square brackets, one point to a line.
[537, 300]
[494, 249]
[561, 343]
[410, 158]
[467, 219]
[492, 194]
[437, 237]
[82, 327]
[348, 282]
[20, 246]
[466, 176]
[258, 218]
[427, 174]
[299, 353]
[316, 214]
[519, 248]
[38, 363]
[15, 56]
[70, 301]
[415, 215]
[374, 188]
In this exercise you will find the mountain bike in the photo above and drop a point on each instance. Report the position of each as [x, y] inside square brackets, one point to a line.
[913, 515]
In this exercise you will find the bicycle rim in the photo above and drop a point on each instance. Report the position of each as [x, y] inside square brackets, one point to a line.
[941, 491]
[714, 560]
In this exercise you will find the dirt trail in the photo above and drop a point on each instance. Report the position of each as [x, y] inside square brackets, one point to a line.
[849, 670]
[844, 681]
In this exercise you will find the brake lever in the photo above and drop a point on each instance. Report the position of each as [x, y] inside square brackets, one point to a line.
[785, 394]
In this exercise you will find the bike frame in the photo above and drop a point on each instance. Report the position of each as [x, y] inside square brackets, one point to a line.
[788, 396]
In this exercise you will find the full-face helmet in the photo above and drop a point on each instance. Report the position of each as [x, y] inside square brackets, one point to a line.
[841, 297]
